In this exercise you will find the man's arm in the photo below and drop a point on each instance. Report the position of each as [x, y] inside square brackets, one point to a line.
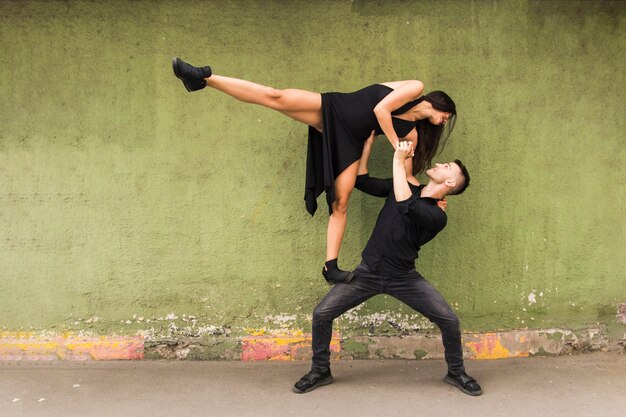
[401, 188]
[365, 155]
[373, 186]
[408, 163]
[425, 215]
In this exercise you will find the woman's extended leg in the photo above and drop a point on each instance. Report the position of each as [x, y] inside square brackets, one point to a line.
[301, 105]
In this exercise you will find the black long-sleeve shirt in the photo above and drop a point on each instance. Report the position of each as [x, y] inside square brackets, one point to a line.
[401, 228]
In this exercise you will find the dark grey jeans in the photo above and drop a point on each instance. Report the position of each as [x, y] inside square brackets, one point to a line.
[411, 288]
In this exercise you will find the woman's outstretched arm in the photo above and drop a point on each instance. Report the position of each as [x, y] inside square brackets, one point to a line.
[402, 94]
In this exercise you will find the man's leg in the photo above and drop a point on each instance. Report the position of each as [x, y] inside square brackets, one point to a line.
[420, 295]
[339, 299]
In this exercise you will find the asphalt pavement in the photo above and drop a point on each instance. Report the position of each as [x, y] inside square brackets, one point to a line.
[591, 385]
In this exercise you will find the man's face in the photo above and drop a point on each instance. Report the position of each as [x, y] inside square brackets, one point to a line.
[446, 172]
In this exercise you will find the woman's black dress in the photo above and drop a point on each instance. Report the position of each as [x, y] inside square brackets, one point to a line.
[348, 121]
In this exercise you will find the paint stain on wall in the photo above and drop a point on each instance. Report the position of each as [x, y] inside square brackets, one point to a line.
[32, 347]
[283, 347]
[489, 346]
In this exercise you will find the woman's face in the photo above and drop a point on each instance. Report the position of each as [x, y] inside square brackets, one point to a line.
[439, 117]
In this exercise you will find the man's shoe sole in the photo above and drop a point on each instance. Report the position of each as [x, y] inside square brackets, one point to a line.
[455, 383]
[322, 382]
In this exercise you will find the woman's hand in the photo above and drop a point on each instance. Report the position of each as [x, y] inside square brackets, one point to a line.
[404, 150]
[443, 204]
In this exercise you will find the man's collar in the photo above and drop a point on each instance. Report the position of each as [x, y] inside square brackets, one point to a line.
[432, 200]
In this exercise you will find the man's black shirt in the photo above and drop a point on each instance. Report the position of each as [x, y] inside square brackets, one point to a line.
[401, 228]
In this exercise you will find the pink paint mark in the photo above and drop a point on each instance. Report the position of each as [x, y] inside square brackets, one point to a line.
[258, 348]
[37, 348]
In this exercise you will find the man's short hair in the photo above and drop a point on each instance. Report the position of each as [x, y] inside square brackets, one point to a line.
[466, 179]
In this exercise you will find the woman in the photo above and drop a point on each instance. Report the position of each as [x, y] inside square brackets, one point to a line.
[339, 124]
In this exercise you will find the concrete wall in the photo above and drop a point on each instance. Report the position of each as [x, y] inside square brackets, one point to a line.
[129, 206]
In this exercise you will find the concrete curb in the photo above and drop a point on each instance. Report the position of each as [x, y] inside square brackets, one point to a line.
[22, 346]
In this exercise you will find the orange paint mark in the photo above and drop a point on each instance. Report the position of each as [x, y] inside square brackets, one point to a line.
[489, 346]
[30, 347]
[277, 348]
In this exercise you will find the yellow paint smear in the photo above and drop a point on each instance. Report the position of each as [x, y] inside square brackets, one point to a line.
[490, 347]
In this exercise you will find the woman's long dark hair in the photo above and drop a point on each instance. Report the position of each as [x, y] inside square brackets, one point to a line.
[431, 139]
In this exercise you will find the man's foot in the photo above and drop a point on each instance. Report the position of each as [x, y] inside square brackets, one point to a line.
[465, 383]
[312, 380]
[192, 77]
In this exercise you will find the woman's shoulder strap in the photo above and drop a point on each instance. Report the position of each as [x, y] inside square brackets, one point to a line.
[406, 107]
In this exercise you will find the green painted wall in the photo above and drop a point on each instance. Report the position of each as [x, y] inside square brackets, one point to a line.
[124, 199]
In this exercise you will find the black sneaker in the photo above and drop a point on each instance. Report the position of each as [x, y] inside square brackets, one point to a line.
[312, 380]
[465, 383]
[192, 77]
[335, 275]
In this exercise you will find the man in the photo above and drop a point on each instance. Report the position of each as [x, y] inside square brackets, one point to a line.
[410, 218]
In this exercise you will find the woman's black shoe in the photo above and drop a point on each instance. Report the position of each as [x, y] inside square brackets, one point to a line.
[192, 77]
[312, 380]
[465, 383]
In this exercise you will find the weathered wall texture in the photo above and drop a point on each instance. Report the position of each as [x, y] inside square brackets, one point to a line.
[128, 206]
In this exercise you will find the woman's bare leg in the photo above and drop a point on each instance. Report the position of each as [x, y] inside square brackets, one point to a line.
[344, 184]
[301, 105]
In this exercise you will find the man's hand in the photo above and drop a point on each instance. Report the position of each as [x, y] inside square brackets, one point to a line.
[370, 141]
[365, 155]
[404, 150]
